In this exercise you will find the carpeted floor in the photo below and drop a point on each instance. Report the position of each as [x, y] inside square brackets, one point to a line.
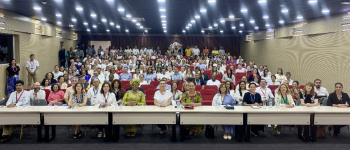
[156, 141]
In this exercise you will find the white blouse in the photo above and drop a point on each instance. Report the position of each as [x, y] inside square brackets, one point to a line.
[280, 78]
[162, 99]
[110, 99]
[238, 96]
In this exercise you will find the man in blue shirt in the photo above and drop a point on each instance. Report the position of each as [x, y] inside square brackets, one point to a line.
[176, 76]
[158, 51]
[202, 65]
[125, 76]
[167, 87]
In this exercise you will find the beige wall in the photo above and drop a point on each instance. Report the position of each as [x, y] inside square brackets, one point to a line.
[45, 48]
[323, 56]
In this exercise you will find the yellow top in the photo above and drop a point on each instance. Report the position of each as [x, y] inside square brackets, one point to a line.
[188, 52]
[215, 52]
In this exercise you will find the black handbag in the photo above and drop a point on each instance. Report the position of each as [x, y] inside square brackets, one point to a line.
[209, 132]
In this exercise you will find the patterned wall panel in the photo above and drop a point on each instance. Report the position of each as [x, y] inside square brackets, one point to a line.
[326, 25]
[259, 36]
[230, 43]
[283, 32]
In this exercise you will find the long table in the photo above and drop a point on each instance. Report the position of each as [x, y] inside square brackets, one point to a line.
[22, 116]
[143, 115]
[87, 115]
[212, 115]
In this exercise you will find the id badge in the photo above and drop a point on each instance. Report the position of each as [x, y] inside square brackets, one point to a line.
[16, 76]
[95, 98]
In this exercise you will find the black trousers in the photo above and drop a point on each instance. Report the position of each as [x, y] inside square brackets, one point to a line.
[63, 63]
[337, 128]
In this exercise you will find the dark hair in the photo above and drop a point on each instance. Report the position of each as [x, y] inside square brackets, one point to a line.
[51, 75]
[281, 71]
[59, 88]
[338, 83]
[257, 72]
[229, 75]
[296, 82]
[240, 89]
[58, 79]
[31, 55]
[273, 76]
[104, 85]
[121, 90]
[267, 71]
[75, 88]
[230, 85]
[252, 83]
[11, 62]
[19, 82]
[317, 80]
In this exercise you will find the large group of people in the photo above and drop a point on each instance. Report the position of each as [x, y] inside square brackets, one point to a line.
[97, 75]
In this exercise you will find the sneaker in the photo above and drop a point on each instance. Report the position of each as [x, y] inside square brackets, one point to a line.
[229, 137]
[225, 137]
[161, 132]
[104, 134]
[100, 134]
[269, 126]
[5, 138]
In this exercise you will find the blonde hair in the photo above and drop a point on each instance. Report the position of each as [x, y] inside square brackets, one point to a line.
[312, 92]
[221, 85]
[183, 86]
[279, 89]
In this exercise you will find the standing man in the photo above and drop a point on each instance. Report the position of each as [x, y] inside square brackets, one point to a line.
[158, 51]
[99, 51]
[32, 67]
[222, 51]
[89, 50]
[188, 51]
[195, 51]
[62, 56]
[79, 54]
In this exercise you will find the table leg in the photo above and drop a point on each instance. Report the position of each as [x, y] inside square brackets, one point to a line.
[108, 128]
[39, 129]
[182, 133]
[173, 134]
[47, 133]
[313, 129]
[306, 133]
[116, 131]
[300, 128]
[240, 133]
[53, 128]
[245, 124]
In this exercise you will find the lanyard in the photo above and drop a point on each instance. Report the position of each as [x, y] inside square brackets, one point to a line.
[252, 98]
[174, 95]
[14, 70]
[95, 93]
[32, 64]
[106, 98]
[34, 95]
[19, 96]
[284, 100]
[263, 91]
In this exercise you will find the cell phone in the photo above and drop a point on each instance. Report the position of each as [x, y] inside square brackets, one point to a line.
[102, 106]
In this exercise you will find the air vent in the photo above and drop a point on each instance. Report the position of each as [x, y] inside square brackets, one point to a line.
[229, 19]
[130, 19]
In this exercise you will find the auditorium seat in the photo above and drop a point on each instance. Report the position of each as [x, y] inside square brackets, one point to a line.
[249, 73]
[179, 87]
[147, 87]
[227, 67]
[169, 82]
[64, 90]
[125, 86]
[47, 93]
[207, 72]
[178, 68]
[155, 83]
[125, 82]
[186, 57]
[213, 87]
[290, 86]
[150, 96]
[198, 88]
[301, 86]
[207, 96]
[273, 88]
[238, 77]
[219, 77]
[192, 67]
[69, 85]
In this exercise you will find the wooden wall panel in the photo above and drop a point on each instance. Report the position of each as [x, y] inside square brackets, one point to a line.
[230, 43]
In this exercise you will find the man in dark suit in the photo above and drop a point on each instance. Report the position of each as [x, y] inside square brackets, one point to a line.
[199, 81]
[140, 89]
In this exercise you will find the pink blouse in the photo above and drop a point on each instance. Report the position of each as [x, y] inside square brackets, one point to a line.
[53, 96]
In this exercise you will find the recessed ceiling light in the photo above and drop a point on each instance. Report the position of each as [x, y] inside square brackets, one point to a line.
[141, 27]
[281, 21]
[58, 15]
[164, 24]
[117, 27]
[104, 20]
[266, 17]
[126, 30]
[190, 25]
[197, 17]
[193, 21]
[262, 1]
[215, 25]
[162, 16]
[134, 20]
[37, 8]
[79, 8]
[128, 16]
[267, 25]
[256, 27]
[109, 0]
[345, 3]
[161, 0]
[252, 21]
[146, 31]
[164, 27]
[85, 23]
[163, 21]
[211, 1]
[202, 31]
[74, 20]
[187, 27]
[232, 16]
[285, 10]
[112, 23]
[183, 31]
[59, 22]
[244, 10]
[107, 30]
[94, 26]
[221, 31]
[165, 31]
[93, 15]
[325, 11]
[121, 9]
[138, 24]
[203, 10]
[312, 1]
[161, 9]
[240, 31]
[300, 17]
[222, 20]
[241, 24]
[233, 27]
[210, 27]
[43, 19]
[88, 30]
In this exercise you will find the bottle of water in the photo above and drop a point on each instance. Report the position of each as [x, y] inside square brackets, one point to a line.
[73, 104]
[24, 104]
[178, 104]
[278, 103]
[121, 105]
[217, 103]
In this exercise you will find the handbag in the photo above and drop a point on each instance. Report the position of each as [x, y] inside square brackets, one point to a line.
[209, 132]
[321, 132]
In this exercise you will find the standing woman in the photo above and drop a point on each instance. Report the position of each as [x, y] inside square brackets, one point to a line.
[12, 76]
[117, 90]
[133, 97]
[239, 94]
[105, 98]
[192, 98]
[223, 98]
[252, 98]
[286, 100]
[229, 76]
[162, 98]
[79, 96]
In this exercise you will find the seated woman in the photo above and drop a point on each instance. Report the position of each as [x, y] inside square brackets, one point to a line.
[228, 76]
[308, 98]
[176, 94]
[286, 100]
[79, 98]
[55, 96]
[117, 90]
[252, 98]
[49, 76]
[273, 81]
[230, 89]
[66, 79]
[184, 87]
[215, 71]
[280, 76]
[239, 94]
[61, 83]
[192, 98]
[162, 98]
[266, 76]
[295, 92]
[240, 69]
[105, 98]
[45, 84]
[189, 74]
[133, 97]
[223, 98]
[255, 74]
[338, 99]
[150, 76]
